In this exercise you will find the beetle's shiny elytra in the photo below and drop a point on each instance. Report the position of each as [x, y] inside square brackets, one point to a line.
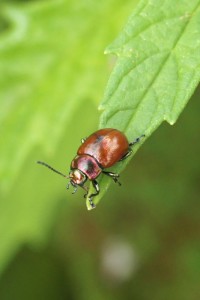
[101, 150]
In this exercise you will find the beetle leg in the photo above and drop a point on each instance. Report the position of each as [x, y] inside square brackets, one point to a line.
[96, 186]
[114, 176]
[75, 189]
[83, 140]
[127, 154]
[137, 140]
[86, 189]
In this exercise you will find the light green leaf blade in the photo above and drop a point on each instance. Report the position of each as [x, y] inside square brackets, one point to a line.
[49, 53]
[157, 70]
[36, 70]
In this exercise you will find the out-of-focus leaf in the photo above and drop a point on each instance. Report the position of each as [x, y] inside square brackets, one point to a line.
[52, 73]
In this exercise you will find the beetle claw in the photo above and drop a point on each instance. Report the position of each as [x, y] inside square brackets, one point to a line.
[117, 181]
[92, 203]
[75, 189]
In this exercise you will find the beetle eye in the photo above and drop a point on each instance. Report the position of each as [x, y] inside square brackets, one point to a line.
[77, 177]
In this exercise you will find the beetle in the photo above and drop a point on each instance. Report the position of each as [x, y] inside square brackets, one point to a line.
[101, 150]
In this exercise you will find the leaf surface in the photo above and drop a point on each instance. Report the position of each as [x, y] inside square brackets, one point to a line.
[157, 70]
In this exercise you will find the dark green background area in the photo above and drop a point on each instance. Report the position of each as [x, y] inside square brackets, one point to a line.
[52, 248]
[156, 212]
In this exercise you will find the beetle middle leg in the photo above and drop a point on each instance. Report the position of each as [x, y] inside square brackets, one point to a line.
[114, 176]
[97, 189]
[127, 154]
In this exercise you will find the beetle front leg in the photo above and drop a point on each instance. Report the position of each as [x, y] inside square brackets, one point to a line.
[114, 176]
[85, 189]
[97, 189]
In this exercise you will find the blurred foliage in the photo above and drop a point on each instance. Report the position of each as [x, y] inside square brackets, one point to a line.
[52, 78]
[49, 55]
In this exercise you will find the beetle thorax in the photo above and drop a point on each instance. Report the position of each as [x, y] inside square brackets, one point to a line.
[77, 177]
[87, 165]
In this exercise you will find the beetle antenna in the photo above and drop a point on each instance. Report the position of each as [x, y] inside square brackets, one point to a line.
[52, 169]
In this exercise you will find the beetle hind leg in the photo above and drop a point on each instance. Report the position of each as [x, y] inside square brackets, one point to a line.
[137, 140]
[114, 176]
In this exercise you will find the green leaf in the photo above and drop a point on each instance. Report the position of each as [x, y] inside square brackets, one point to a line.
[52, 76]
[157, 70]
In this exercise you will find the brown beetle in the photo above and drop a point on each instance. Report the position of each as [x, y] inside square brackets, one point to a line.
[101, 150]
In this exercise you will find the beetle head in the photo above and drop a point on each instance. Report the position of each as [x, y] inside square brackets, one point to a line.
[77, 177]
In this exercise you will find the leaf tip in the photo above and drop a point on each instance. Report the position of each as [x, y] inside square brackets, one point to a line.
[170, 121]
[89, 206]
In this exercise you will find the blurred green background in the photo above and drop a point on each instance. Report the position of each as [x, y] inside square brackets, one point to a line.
[143, 240]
